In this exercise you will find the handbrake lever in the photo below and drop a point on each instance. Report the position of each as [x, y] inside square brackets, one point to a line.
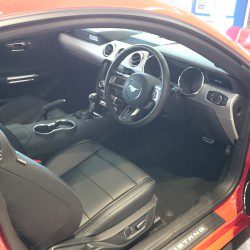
[48, 107]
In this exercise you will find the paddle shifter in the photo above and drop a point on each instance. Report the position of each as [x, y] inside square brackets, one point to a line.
[88, 114]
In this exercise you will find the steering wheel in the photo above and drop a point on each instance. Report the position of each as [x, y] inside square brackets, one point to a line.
[140, 96]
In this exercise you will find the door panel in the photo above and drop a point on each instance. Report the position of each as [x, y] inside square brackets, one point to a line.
[28, 66]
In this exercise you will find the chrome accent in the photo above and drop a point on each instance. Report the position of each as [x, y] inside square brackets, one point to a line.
[141, 224]
[53, 124]
[223, 113]
[244, 195]
[98, 115]
[157, 89]
[22, 161]
[18, 46]
[207, 140]
[202, 81]
[103, 104]
[139, 61]
[104, 50]
[213, 94]
[1, 155]
[21, 79]
[135, 112]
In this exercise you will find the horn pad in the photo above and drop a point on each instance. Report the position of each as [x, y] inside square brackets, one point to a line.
[137, 89]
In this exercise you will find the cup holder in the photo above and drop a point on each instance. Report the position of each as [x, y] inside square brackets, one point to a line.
[50, 128]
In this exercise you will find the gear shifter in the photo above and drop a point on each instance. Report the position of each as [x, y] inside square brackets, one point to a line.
[93, 100]
[88, 114]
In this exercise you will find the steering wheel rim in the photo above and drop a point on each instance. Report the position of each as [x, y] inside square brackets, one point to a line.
[149, 87]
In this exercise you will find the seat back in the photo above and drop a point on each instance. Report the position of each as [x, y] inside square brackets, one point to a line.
[42, 207]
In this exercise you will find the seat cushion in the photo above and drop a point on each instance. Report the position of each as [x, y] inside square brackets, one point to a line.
[110, 187]
[25, 110]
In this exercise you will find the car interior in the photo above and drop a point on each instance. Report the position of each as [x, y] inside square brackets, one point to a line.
[109, 135]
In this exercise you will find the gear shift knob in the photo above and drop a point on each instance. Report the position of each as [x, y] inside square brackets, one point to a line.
[88, 114]
[93, 97]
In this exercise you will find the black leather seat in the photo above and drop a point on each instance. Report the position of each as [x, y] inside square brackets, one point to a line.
[25, 110]
[87, 194]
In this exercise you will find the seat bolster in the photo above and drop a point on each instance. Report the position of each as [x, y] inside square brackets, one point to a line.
[120, 209]
[69, 158]
[42, 207]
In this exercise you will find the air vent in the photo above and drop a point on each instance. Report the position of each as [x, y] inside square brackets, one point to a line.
[219, 81]
[136, 59]
[119, 51]
[108, 49]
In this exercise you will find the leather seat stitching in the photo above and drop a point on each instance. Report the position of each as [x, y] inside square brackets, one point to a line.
[116, 167]
[94, 183]
[64, 150]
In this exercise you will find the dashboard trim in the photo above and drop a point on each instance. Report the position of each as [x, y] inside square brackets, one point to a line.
[94, 53]
[202, 81]
[224, 113]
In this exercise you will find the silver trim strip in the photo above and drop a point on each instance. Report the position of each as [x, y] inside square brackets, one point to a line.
[94, 53]
[223, 113]
[53, 124]
[202, 81]
[21, 79]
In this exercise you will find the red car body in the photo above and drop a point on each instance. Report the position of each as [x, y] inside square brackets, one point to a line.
[232, 209]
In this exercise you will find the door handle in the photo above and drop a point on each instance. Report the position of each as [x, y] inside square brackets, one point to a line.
[19, 46]
[21, 79]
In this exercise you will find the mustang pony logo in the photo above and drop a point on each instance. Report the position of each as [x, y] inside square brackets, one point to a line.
[132, 88]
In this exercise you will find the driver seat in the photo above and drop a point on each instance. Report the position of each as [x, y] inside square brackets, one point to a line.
[87, 196]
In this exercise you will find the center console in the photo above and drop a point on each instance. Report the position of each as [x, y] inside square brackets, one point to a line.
[47, 137]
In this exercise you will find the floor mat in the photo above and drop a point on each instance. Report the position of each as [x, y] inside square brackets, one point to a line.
[183, 166]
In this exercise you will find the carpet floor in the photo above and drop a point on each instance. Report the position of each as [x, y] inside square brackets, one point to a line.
[183, 166]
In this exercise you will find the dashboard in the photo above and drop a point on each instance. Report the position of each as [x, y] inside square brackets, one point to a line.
[209, 96]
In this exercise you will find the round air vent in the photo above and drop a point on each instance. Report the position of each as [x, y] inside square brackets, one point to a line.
[136, 59]
[108, 49]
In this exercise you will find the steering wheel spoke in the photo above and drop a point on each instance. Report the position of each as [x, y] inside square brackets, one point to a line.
[129, 114]
[156, 92]
[118, 79]
[117, 82]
